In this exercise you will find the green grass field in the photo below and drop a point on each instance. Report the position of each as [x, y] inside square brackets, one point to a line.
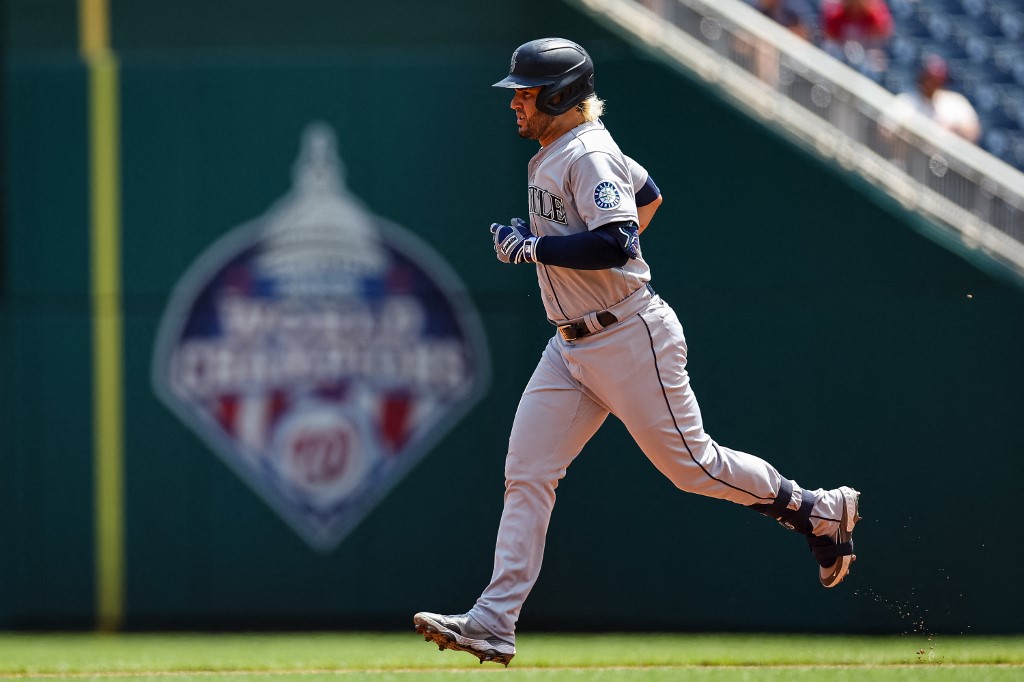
[405, 656]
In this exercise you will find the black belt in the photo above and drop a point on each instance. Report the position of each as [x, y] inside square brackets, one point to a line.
[605, 318]
[577, 330]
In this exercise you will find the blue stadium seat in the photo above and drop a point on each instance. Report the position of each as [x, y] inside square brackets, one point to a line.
[995, 140]
[1010, 21]
[968, 84]
[1017, 68]
[903, 51]
[989, 96]
[948, 50]
[900, 78]
[902, 9]
[1012, 102]
[1005, 57]
[910, 26]
[940, 26]
[1015, 154]
[974, 8]
[953, 7]
[978, 48]
[982, 26]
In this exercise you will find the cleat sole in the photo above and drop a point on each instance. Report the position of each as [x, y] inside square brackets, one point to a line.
[446, 641]
[849, 520]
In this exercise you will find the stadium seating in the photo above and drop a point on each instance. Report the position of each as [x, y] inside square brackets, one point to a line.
[983, 43]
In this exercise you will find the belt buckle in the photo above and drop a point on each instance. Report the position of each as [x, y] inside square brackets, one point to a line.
[569, 332]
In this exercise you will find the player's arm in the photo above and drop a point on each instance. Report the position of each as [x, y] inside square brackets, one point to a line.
[648, 199]
[608, 246]
[604, 247]
[648, 196]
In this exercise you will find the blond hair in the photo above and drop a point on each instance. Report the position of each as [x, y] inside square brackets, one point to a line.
[591, 108]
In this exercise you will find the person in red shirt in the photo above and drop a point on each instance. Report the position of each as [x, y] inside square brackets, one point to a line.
[857, 31]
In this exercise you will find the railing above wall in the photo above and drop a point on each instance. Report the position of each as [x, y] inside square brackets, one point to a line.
[974, 201]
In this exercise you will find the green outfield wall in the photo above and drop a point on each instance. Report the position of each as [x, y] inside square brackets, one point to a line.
[827, 334]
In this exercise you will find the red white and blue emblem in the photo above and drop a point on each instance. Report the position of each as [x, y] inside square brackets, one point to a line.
[320, 350]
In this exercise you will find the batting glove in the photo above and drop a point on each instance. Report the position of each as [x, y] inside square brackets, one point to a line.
[514, 243]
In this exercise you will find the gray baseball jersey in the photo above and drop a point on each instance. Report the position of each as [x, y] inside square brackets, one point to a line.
[634, 368]
[580, 182]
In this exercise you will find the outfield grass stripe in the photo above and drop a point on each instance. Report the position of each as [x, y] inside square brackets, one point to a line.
[491, 669]
[610, 657]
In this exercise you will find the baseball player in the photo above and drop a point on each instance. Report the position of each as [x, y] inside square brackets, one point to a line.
[619, 349]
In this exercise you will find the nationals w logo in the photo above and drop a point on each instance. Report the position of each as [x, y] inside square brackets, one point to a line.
[320, 350]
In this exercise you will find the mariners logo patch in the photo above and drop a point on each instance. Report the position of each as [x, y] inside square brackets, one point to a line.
[606, 196]
[320, 351]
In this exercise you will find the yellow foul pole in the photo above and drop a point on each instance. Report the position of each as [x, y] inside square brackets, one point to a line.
[105, 268]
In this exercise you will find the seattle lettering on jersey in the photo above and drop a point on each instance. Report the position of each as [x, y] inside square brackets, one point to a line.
[547, 205]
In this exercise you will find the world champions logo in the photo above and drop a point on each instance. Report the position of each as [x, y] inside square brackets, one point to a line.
[320, 350]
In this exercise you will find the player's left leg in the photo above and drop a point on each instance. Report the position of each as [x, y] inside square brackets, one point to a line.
[554, 420]
[464, 633]
[832, 548]
[638, 369]
[648, 388]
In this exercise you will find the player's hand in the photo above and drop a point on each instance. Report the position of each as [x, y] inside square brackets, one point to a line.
[514, 243]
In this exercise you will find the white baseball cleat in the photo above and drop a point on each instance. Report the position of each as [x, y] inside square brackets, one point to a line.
[835, 552]
[463, 633]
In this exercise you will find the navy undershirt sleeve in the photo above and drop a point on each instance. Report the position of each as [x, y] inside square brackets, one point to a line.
[592, 250]
[648, 193]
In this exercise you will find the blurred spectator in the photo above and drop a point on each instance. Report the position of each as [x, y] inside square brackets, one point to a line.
[857, 31]
[796, 15]
[949, 109]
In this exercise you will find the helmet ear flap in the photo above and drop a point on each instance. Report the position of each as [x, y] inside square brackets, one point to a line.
[566, 93]
[549, 101]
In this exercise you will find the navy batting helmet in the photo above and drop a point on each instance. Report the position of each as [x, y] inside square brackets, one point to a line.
[561, 68]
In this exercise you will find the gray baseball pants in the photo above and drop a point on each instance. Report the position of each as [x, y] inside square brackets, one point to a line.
[636, 370]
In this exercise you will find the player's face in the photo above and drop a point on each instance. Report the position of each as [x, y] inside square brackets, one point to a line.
[532, 123]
